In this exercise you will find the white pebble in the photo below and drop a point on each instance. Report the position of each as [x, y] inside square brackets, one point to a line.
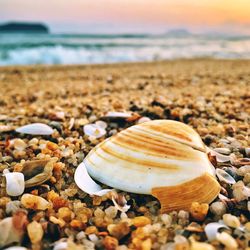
[166, 219]
[14, 183]
[93, 237]
[12, 206]
[111, 212]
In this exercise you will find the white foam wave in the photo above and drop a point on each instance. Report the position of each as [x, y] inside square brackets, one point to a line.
[160, 49]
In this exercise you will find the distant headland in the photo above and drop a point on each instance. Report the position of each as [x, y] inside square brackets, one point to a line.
[23, 27]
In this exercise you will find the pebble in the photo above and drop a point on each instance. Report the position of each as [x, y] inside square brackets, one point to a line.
[93, 237]
[146, 244]
[183, 218]
[91, 230]
[247, 150]
[181, 242]
[239, 191]
[224, 151]
[227, 240]
[218, 208]
[65, 214]
[19, 144]
[12, 206]
[231, 220]
[200, 246]
[35, 232]
[199, 211]
[60, 245]
[9, 234]
[246, 178]
[34, 202]
[243, 170]
[141, 221]
[14, 183]
[110, 243]
[57, 221]
[166, 219]
[111, 212]
[119, 230]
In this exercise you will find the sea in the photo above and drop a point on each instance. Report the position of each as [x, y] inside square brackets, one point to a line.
[26, 49]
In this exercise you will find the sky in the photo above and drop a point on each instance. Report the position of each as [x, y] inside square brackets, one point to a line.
[135, 16]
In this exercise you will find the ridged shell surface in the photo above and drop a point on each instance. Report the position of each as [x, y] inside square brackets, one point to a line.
[153, 154]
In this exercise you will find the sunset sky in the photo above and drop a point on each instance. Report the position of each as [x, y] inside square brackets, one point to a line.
[229, 16]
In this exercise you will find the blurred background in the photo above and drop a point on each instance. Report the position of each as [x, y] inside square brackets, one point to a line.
[108, 31]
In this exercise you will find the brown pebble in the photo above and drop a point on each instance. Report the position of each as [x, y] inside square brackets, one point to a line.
[110, 243]
[199, 211]
[119, 230]
[141, 221]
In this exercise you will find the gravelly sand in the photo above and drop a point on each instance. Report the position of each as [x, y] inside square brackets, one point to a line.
[210, 95]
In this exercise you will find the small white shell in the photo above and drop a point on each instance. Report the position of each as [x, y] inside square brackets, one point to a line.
[101, 124]
[94, 130]
[211, 229]
[220, 157]
[143, 119]
[114, 114]
[224, 176]
[35, 129]
[86, 184]
[14, 183]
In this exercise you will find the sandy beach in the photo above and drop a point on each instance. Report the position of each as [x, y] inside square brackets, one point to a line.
[212, 96]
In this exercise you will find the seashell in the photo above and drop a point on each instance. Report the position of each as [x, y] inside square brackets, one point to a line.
[113, 115]
[224, 176]
[221, 157]
[37, 172]
[35, 129]
[212, 229]
[143, 119]
[164, 158]
[14, 183]
[94, 130]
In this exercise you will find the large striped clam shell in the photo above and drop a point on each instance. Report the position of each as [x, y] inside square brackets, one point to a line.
[161, 157]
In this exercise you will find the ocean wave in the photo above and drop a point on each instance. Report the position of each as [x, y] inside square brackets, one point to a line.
[26, 49]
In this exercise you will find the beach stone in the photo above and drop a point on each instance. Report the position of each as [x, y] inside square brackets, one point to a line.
[199, 211]
[218, 208]
[119, 230]
[110, 243]
[34, 202]
[227, 240]
[231, 220]
[141, 221]
[35, 232]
